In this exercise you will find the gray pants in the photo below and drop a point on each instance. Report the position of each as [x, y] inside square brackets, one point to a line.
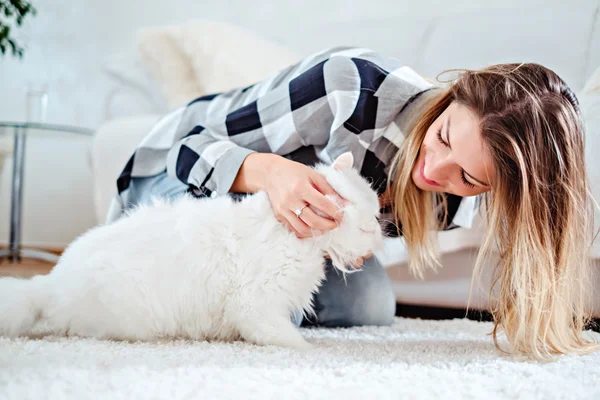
[366, 298]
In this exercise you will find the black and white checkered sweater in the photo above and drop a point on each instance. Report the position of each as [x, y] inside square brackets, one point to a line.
[337, 100]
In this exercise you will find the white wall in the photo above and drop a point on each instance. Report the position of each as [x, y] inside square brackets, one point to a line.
[69, 41]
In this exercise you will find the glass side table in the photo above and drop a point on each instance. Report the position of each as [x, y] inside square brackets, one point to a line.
[15, 252]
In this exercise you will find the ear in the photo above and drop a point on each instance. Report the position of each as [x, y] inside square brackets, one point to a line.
[343, 161]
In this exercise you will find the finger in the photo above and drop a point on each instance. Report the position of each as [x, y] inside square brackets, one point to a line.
[301, 228]
[286, 224]
[358, 262]
[323, 204]
[291, 228]
[315, 221]
[368, 255]
[321, 184]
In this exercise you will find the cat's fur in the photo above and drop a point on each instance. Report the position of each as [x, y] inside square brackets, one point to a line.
[207, 269]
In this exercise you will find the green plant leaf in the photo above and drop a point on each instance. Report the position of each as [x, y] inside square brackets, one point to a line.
[4, 30]
[13, 46]
[20, 6]
[17, 9]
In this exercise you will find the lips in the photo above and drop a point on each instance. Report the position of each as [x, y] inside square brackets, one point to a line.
[430, 182]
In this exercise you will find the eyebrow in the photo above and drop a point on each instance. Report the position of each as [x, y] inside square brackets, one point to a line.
[449, 145]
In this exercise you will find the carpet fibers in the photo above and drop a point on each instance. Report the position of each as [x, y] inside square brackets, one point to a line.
[420, 359]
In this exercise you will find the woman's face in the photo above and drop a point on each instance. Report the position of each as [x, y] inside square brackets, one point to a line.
[441, 167]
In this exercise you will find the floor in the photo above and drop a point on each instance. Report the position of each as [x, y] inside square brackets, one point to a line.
[24, 269]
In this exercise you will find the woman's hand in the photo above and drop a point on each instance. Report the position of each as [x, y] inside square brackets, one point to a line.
[292, 185]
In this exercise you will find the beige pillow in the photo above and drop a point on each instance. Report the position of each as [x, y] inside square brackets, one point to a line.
[203, 57]
[168, 65]
[225, 56]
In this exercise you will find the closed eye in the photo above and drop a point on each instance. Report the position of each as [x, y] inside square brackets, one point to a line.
[462, 171]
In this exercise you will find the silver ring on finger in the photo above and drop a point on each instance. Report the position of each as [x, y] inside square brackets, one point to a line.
[298, 211]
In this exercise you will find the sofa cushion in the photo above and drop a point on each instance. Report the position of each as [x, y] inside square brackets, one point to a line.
[202, 57]
[113, 144]
[225, 56]
[477, 39]
[170, 68]
[589, 99]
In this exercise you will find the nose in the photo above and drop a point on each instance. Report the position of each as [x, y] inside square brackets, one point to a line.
[436, 169]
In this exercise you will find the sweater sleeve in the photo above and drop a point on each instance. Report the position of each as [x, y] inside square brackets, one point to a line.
[299, 106]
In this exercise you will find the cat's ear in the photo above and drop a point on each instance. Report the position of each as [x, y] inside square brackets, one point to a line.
[343, 161]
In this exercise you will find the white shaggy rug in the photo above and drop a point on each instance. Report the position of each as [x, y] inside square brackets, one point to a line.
[412, 359]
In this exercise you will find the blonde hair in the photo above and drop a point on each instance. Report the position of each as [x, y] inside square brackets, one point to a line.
[540, 211]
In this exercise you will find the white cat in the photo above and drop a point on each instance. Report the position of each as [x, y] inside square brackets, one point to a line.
[205, 269]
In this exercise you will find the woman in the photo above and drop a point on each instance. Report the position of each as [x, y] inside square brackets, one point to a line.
[510, 134]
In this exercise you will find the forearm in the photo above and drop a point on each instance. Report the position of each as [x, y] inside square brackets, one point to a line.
[254, 172]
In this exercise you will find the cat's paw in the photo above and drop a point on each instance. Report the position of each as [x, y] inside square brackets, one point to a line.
[275, 331]
[303, 346]
[296, 343]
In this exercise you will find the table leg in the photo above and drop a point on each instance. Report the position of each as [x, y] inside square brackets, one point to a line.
[15, 253]
[16, 202]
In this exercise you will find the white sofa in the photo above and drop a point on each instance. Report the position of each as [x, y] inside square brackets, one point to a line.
[559, 35]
